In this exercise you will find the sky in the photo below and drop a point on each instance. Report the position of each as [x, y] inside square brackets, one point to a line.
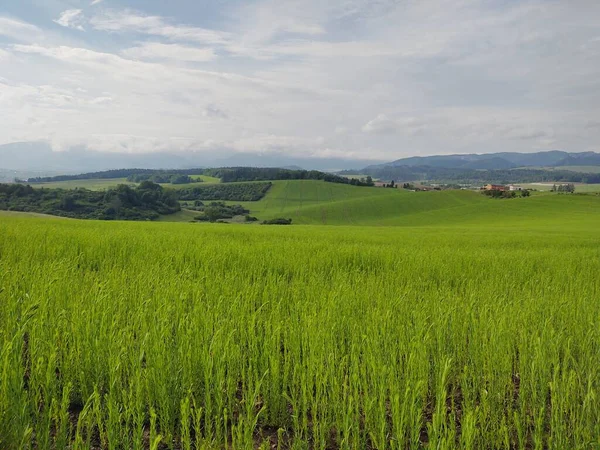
[368, 79]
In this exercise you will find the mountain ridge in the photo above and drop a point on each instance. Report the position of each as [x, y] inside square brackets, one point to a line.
[494, 161]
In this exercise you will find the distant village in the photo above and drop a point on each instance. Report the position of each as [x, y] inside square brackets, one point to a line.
[438, 187]
[494, 190]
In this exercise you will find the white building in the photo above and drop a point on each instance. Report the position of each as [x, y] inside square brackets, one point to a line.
[512, 187]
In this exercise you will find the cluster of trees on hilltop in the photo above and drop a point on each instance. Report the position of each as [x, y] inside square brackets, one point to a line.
[506, 194]
[500, 176]
[231, 174]
[244, 192]
[145, 202]
[569, 188]
[163, 177]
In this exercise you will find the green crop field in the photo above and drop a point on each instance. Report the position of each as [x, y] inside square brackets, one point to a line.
[465, 322]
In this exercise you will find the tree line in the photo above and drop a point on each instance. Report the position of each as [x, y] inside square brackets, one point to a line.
[233, 174]
[225, 174]
[115, 173]
[163, 177]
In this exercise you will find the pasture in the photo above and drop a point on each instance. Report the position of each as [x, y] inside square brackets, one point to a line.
[473, 325]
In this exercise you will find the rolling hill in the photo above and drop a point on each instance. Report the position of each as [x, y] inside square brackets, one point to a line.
[317, 202]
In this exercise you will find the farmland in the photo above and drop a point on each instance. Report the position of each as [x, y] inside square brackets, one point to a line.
[471, 323]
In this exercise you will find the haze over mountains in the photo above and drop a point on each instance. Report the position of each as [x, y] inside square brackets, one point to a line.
[27, 159]
[495, 161]
[39, 157]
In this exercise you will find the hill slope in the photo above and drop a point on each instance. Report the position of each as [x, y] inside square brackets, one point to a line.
[316, 202]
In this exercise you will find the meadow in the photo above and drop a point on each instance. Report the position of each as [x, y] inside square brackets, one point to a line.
[475, 324]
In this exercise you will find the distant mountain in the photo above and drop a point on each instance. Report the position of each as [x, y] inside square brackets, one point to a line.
[281, 160]
[581, 159]
[498, 161]
[40, 158]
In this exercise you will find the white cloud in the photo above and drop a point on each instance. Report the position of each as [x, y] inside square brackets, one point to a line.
[96, 2]
[18, 30]
[214, 111]
[131, 21]
[382, 124]
[155, 50]
[346, 77]
[72, 18]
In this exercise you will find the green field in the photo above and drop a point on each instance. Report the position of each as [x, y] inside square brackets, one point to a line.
[579, 187]
[465, 322]
[93, 185]
[102, 184]
[318, 202]
[581, 169]
[205, 180]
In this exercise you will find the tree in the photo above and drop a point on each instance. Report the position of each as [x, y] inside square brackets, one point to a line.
[67, 203]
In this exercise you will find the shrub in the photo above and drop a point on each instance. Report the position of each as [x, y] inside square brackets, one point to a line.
[278, 221]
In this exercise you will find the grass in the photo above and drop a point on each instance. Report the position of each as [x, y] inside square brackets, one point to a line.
[317, 202]
[476, 332]
[102, 184]
[579, 187]
[205, 180]
[185, 215]
[93, 185]
[581, 169]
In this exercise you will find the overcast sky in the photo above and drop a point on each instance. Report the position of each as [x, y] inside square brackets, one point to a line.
[377, 79]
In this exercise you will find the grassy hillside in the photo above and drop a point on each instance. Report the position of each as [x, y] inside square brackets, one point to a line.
[316, 202]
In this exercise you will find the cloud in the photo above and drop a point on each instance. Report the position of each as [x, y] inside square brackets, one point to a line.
[102, 100]
[72, 18]
[155, 50]
[382, 124]
[214, 111]
[18, 30]
[96, 2]
[354, 77]
[134, 22]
